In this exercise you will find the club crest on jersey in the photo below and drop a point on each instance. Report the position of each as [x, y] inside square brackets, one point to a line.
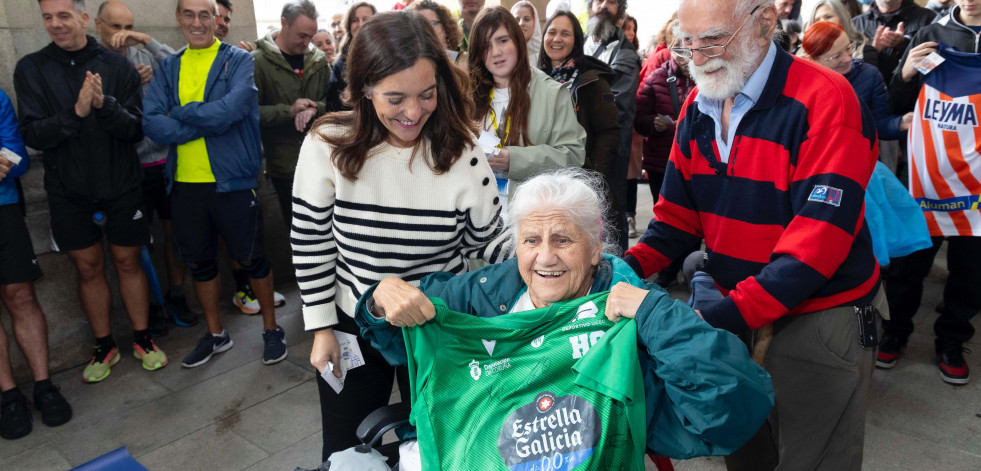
[826, 194]
[475, 370]
[554, 433]
[586, 311]
[949, 115]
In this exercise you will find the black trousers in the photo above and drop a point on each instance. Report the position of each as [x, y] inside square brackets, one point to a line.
[962, 295]
[366, 388]
[284, 192]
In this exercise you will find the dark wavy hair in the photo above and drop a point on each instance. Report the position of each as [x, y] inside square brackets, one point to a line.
[452, 29]
[482, 82]
[544, 62]
[390, 43]
[635, 42]
[348, 37]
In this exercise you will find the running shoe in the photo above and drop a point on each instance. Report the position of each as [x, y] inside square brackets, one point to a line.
[15, 418]
[274, 350]
[246, 302]
[153, 357]
[54, 408]
[953, 368]
[207, 346]
[100, 364]
[178, 312]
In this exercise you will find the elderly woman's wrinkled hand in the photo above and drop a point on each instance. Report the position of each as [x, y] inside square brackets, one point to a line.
[624, 301]
[402, 304]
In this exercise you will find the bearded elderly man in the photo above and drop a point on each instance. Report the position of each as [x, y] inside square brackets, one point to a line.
[770, 163]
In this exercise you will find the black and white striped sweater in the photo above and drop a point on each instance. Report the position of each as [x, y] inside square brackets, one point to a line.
[398, 219]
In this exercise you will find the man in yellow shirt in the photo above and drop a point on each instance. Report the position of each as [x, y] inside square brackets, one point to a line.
[203, 103]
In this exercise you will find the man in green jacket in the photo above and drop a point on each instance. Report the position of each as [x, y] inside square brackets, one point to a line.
[292, 80]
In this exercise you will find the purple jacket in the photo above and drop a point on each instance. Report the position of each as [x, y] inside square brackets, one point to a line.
[654, 99]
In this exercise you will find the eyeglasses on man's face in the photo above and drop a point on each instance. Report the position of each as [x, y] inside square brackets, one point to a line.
[715, 50]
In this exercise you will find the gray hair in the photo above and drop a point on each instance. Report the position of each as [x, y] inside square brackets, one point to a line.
[78, 4]
[743, 7]
[578, 193]
[294, 8]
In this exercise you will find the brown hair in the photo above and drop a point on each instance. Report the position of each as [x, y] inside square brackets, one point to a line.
[348, 37]
[635, 42]
[486, 23]
[452, 29]
[390, 43]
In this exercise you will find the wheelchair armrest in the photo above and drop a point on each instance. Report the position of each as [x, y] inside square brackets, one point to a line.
[381, 420]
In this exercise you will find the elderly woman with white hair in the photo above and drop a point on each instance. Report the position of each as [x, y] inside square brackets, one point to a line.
[704, 395]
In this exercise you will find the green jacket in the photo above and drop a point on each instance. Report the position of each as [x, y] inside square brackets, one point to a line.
[557, 139]
[279, 87]
[704, 394]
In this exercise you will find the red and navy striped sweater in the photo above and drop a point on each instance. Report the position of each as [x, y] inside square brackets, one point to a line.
[784, 220]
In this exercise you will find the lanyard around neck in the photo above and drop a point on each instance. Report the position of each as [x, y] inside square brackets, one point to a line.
[507, 124]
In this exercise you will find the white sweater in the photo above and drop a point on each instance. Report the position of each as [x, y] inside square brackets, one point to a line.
[398, 219]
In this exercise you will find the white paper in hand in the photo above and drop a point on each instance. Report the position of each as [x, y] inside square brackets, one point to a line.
[351, 358]
[488, 142]
[10, 155]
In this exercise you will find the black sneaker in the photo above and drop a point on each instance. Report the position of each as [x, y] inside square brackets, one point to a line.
[274, 350]
[54, 408]
[207, 346]
[889, 348]
[156, 323]
[953, 368]
[15, 418]
[178, 312]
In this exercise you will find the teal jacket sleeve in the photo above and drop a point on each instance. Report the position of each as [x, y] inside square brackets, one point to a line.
[384, 337]
[705, 396]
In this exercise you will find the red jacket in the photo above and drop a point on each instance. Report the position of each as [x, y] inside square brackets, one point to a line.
[653, 99]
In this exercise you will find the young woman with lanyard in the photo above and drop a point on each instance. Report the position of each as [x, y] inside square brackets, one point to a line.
[528, 121]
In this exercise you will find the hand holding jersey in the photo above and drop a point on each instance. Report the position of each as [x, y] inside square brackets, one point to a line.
[624, 300]
[402, 304]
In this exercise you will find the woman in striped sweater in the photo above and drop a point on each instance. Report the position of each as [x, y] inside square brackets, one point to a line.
[395, 187]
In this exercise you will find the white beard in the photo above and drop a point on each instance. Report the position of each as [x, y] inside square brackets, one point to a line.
[731, 75]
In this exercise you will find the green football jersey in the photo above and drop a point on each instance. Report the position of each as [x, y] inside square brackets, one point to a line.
[552, 389]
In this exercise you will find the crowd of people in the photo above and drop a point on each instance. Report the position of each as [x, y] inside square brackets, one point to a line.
[491, 158]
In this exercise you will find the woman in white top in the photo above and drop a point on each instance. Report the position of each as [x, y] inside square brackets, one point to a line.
[524, 111]
[394, 187]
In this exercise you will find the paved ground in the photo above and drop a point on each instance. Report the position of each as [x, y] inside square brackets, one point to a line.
[235, 413]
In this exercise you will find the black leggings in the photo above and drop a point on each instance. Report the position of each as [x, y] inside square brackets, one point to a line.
[366, 388]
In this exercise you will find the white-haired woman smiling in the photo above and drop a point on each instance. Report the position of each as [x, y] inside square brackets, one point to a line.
[704, 396]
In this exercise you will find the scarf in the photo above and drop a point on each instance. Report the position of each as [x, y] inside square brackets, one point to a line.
[566, 72]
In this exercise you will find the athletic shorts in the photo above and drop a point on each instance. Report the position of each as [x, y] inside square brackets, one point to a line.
[201, 215]
[74, 227]
[155, 197]
[17, 261]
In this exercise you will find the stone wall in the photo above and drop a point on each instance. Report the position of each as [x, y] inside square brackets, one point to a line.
[22, 32]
